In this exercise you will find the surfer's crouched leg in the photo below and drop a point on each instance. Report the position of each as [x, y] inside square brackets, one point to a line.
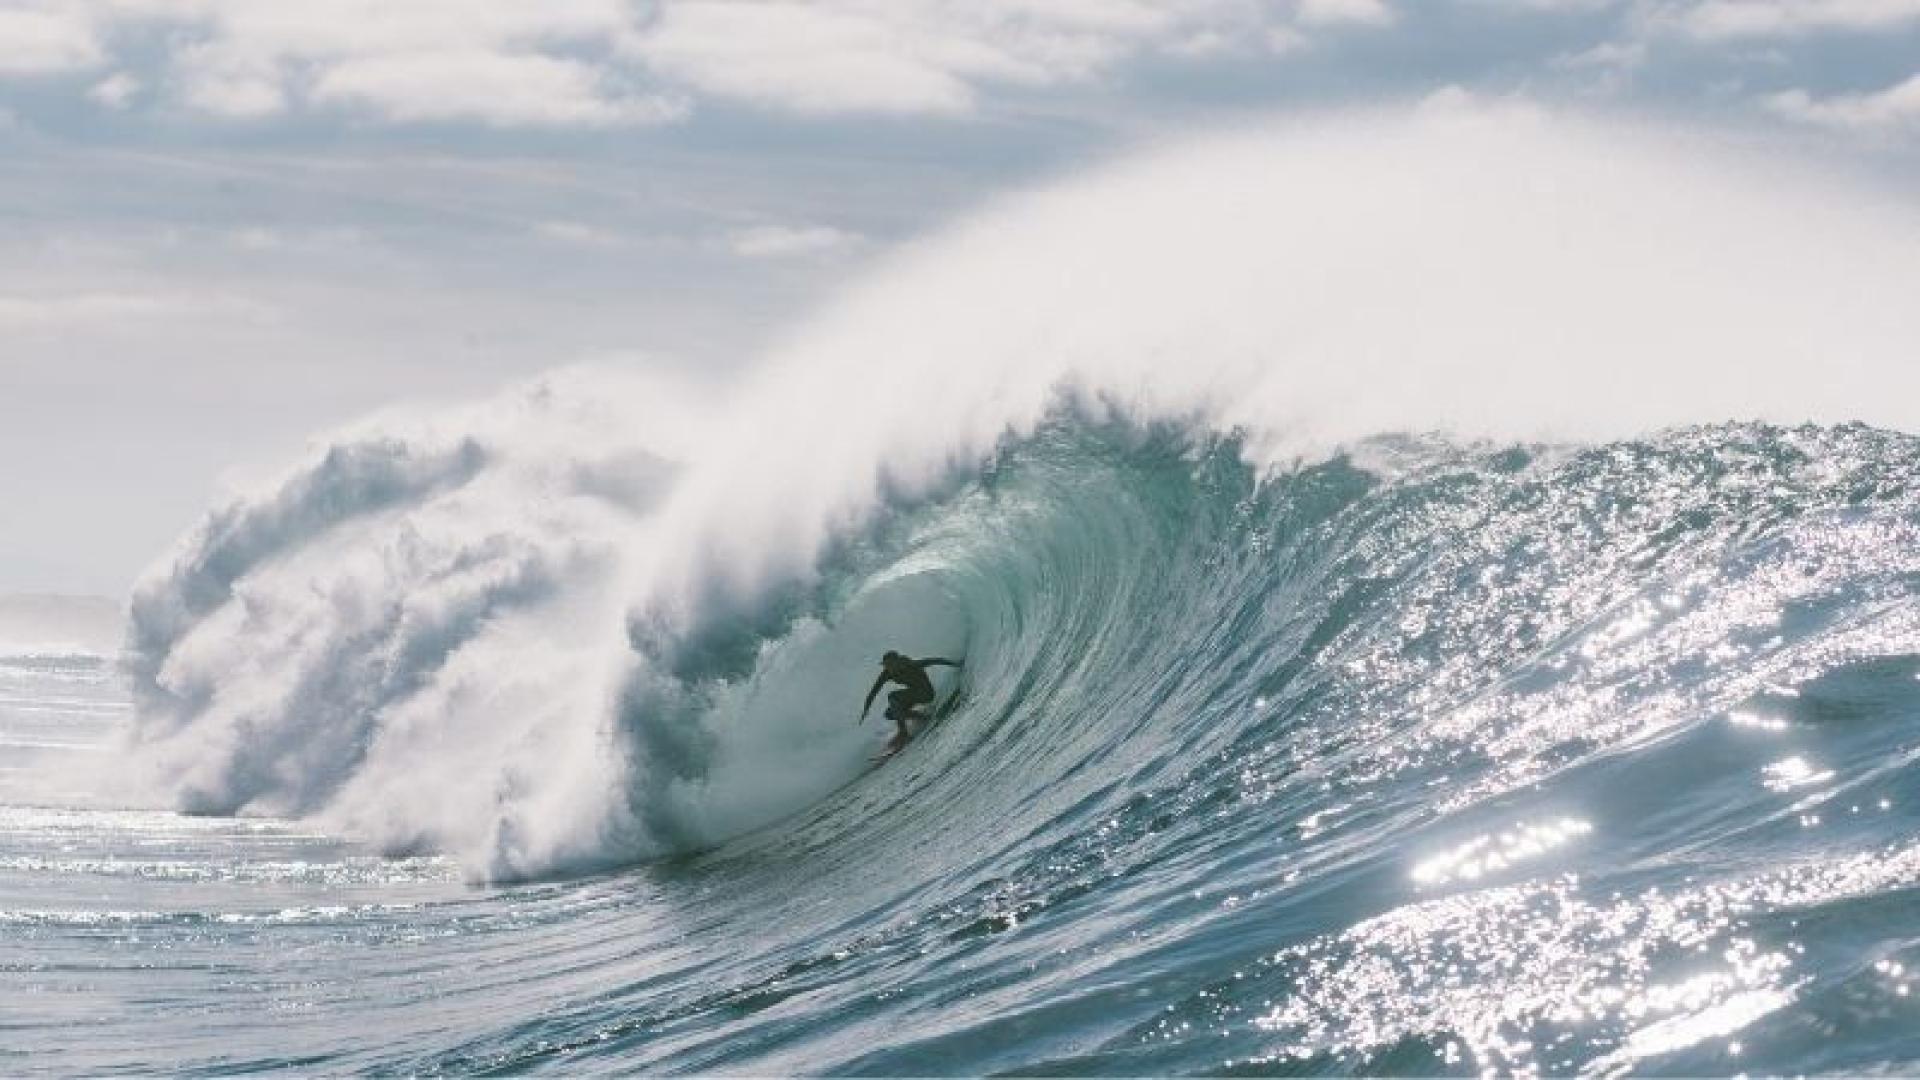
[900, 705]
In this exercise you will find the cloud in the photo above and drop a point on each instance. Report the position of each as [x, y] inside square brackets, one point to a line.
[482, 61]
[576, 234]
[1715, 20]
[602, 63]
[843, 56]
[97, 309]
[504, 90]
[115, 91]
[1893, 109]
[47, 41]
[1564, 7]
[224, 79]
[493, 62]
[788, 242]
[1605, 69]
[1286, 40]
[1606, 56]
[812, 59]
[918, 56]
[235, 96]
[1336, 12]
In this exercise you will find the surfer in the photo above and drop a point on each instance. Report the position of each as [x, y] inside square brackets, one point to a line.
[916, 689]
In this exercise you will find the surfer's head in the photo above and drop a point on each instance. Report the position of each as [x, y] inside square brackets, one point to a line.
[892, 658]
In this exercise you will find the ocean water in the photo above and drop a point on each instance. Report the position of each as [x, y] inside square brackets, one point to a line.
[1428, 758]
[1291, 737]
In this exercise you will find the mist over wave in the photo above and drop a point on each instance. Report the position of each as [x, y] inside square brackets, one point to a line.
[416, 633]
[593, 621]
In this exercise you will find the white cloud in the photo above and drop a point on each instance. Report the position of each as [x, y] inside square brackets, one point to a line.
[498, 62]
[1606, 56]
[788, 242]
[115, 91]
[1607, 69]
[1335, 12]
[1729, 19]
[322, 29]
[1203, 44]
[240, 97]
[598, 63]
[48, 312]
[1554, 6]
[919, 56]
[46, 41]
[449, 60]
[97, 309]
[1893, 109]
[226, 80]
[505, 90]
[576, 234]
[1286, 40]
[807, 58]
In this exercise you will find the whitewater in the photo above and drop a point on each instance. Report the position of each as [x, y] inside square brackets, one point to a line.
[1437, 589]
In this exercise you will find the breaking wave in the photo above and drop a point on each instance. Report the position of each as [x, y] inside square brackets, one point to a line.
[1150, 450]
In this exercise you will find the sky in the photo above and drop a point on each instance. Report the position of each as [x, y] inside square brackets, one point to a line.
[226, 225]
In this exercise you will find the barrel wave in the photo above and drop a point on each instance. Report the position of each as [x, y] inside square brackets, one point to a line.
[1382, 653]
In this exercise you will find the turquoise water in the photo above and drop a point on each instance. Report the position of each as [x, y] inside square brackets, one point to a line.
[1425, 759]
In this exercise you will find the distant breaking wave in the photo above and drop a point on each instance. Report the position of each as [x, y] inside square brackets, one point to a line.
[1150, 450]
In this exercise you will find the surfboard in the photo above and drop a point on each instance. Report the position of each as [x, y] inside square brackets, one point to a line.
[918, 723]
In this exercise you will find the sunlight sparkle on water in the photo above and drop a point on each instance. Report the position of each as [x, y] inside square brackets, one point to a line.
[1740, 718]
[1491, 852]
[1663, 969]
[1789, 773]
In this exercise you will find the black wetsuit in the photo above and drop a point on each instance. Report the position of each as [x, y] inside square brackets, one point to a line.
[915, 688]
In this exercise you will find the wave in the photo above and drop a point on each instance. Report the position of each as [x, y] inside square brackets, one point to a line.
[1144, 448]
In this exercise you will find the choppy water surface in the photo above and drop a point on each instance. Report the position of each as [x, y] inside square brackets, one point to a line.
[1426, 759]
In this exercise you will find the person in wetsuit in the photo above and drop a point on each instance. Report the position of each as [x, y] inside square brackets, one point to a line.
[916, 689]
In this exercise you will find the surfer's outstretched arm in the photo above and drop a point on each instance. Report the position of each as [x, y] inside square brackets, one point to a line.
[939, 661]
[871, 694]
